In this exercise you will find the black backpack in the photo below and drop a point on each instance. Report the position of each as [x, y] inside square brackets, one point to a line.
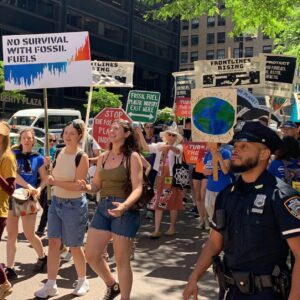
[77, 157]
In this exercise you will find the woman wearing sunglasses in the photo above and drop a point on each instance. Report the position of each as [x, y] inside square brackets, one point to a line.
[167, 197]
[68, 212]
[30, 169]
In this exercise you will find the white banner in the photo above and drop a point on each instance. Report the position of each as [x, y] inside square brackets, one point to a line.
[244, 72]
[112, 73]
[47, 60]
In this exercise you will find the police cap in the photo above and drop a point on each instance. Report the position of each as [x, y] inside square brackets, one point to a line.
[289, 124]
[254, 131]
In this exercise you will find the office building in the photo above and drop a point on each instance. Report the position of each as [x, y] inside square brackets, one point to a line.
[117, 31]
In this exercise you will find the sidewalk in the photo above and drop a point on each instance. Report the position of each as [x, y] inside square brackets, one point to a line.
[161, 267]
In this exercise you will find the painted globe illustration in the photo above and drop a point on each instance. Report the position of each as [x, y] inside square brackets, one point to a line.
[213, 116]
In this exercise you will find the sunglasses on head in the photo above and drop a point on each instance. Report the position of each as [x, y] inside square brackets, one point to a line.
[76, 126]
[171, 134]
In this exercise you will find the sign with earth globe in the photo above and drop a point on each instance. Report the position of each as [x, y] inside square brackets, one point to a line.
[213, 115]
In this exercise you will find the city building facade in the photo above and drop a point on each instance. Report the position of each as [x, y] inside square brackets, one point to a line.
[117, 32]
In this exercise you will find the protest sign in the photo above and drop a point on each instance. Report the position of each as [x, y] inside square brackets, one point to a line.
[112, 73]
[279, 75]
[142, 106]
[103, 121]
[193, 152]
[245, 72]
[46, 60]
[184, 82]
[213, 115]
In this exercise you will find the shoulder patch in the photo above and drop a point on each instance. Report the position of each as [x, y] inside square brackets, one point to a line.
[293, 206]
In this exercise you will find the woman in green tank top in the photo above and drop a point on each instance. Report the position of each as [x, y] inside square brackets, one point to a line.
[113, 218]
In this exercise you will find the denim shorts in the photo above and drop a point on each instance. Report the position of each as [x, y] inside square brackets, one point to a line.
[67, 220]
[127, 225]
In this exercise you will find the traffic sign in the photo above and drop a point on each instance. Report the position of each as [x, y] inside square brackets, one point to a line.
[142, 106]
[103, 121]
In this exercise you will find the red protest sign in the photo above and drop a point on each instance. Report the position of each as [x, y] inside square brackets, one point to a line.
[193, 152]
[103, 121]
[183, 108]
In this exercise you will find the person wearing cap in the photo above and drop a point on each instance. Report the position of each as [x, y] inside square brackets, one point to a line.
[290, 129]
[256, 220]
[8, 173]
[166, 152]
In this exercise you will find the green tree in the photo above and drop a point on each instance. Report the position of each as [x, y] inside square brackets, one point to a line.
[165, 115]
[102, 98]
[274, 18]
[14, 94]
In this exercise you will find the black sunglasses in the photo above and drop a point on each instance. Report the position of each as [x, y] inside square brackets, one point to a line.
[51, 140]
[171, 134]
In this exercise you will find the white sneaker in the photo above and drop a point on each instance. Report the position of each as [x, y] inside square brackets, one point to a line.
[207, 224]
[82, 288]
[46, 291]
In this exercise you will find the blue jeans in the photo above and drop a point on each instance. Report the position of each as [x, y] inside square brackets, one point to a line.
[127, 225]
[67, 220]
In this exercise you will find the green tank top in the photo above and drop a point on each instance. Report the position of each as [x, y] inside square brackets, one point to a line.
[113, 181]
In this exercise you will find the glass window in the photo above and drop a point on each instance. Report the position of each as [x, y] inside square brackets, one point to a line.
[236, 52]
[249, 38]
[90, 24]
[210, 21]
[46, 8]
[267, 49]
[194, 56]
[184, 57]
[237, 39]
[221, 37]
[210, 38]
[74, 19]
[210, 54]
[185, 25]
[184, 41]
[194, 40]
[266, 37]
[113, 32]
[248, 51]
[221, 53]
[195, 23]
[221, 21]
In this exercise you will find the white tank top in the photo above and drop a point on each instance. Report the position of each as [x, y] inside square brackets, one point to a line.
[65, 170]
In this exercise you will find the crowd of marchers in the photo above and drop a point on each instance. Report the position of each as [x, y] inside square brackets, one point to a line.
[247, 196]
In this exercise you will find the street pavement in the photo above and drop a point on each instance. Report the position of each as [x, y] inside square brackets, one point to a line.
[160, 267]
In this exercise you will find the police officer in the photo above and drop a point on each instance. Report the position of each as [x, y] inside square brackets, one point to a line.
[256, 221]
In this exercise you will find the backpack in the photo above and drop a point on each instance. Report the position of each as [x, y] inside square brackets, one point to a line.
[77, 157]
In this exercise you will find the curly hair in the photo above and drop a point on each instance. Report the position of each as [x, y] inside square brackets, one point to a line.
[130, 144]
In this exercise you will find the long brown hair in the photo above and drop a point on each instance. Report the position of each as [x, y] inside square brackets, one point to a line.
[130, 144]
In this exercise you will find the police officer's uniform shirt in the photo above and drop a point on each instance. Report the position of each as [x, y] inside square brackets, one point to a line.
[255, 220]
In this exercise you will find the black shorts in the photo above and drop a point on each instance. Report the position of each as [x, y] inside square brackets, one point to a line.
[197, 175]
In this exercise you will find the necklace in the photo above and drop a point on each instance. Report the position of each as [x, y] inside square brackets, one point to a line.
[115, 156]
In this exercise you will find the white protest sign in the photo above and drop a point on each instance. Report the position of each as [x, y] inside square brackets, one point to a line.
[46, 60]
[244, 72]
[279, 75]
[112, 73]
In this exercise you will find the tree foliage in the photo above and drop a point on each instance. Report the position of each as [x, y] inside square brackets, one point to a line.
[102, 98]
[14, 94]
[165, 115]
[278, 19]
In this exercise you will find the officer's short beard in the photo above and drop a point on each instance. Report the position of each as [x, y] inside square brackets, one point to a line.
[249, 164]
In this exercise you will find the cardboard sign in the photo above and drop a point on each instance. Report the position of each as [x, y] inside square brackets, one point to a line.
[49, 60]
[279, 75]
[112, 73]
[193, 152]
[142, 106]
[184, 82]
[244, 72]
[102, 124]
[213, 115]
